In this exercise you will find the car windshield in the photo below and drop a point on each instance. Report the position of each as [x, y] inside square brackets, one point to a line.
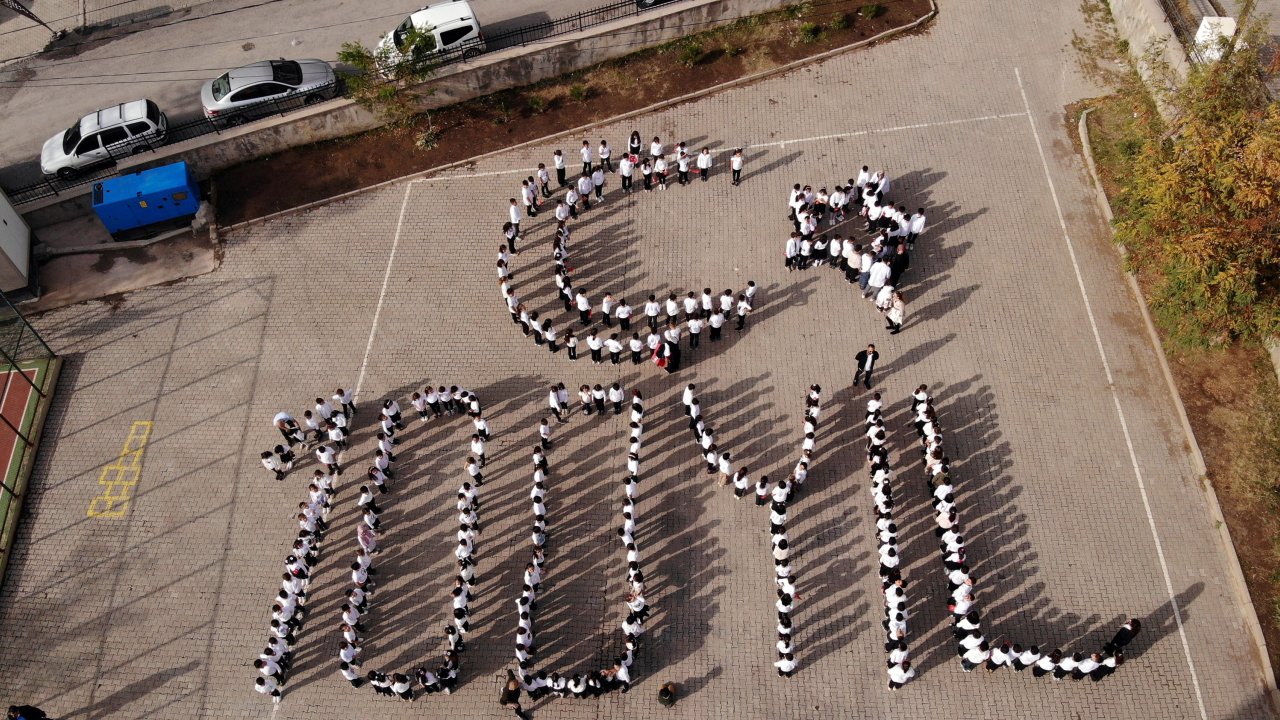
[71, 138]
[288, 72]
[397, 37]
[221, 86]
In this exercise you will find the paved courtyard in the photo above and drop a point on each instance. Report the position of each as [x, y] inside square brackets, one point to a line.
[159, 611]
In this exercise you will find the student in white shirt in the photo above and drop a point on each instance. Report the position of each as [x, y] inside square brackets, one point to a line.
[626, 168]
[786, 665]
[716, 321]
[557, 159]
[605, 153]
[623, 313]
[651, 312]
[735, 164]
[900, 674]
[597, 182]
[704, 163]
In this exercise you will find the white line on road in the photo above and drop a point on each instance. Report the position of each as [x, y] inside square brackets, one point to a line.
[1124, 425]
[382, 295]
[777, 144]
[876, 131]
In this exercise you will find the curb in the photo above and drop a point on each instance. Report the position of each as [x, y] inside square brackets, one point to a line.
[744, 80]
[1215, 510]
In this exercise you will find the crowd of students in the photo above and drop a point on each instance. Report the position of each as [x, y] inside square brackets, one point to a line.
[972, 647]
[618, 676]
[719, 462]
[688, 314]
[892, 585]
[430, 404]
[876, 264]
[288, 609]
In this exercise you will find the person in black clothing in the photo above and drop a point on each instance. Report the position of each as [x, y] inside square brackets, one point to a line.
[898, 264]
[1123, 636]
[510, 697]
[25, 712]
[866, 362]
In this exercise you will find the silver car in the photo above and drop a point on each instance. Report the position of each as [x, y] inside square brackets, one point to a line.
[246, 93]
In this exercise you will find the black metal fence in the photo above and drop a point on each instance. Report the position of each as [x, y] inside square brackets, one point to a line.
[1184, 26]
[48, 186]
[177, 132]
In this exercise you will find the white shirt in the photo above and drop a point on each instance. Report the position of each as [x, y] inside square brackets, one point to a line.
[735, 162]
[879, 273]
[604, 151]
[900, 676]
[655, 149]
[704, 160]
[514, 211]
[586, 153]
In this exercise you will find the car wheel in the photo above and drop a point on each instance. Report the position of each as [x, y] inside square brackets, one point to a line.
[139, 149]
[67, 173]
[312, 99]
[471, 53]
[236, 121]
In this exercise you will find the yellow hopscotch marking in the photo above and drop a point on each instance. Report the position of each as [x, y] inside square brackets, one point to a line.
[119, 478]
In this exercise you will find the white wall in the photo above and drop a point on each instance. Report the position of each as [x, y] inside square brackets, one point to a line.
[15, 247]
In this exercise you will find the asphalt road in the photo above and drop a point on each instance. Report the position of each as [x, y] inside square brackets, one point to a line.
[169, 62]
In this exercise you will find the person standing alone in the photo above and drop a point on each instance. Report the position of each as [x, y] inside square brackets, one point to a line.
[866, 362]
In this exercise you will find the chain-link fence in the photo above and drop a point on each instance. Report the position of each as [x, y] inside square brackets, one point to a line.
[27, 363]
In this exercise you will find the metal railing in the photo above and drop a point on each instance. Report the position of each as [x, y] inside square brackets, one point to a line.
[48, 186]
[26, 361]
[1184, 27]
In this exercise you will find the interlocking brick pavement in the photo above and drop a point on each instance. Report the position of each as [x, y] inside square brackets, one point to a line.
[159, 614]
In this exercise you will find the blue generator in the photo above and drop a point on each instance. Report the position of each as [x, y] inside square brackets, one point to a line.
[165, 195]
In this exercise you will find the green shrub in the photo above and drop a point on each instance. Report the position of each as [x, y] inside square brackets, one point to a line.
[795, 12]
[427, 140]
[733, 50]
[692, 53]
[809, 32]
[537, 104]
[870, 10]
[579, 93]
[839, 22]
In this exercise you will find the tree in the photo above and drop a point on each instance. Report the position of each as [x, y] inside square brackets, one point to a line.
[1200, 213]
[387, 81]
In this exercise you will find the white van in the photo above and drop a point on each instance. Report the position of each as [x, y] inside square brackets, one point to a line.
[451, 24]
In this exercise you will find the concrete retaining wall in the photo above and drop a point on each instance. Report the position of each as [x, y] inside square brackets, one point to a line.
[513, 67]
[1143, 24]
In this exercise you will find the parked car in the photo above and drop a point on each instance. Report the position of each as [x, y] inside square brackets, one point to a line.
[103, 136]
[450, 25]
[246, 93]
